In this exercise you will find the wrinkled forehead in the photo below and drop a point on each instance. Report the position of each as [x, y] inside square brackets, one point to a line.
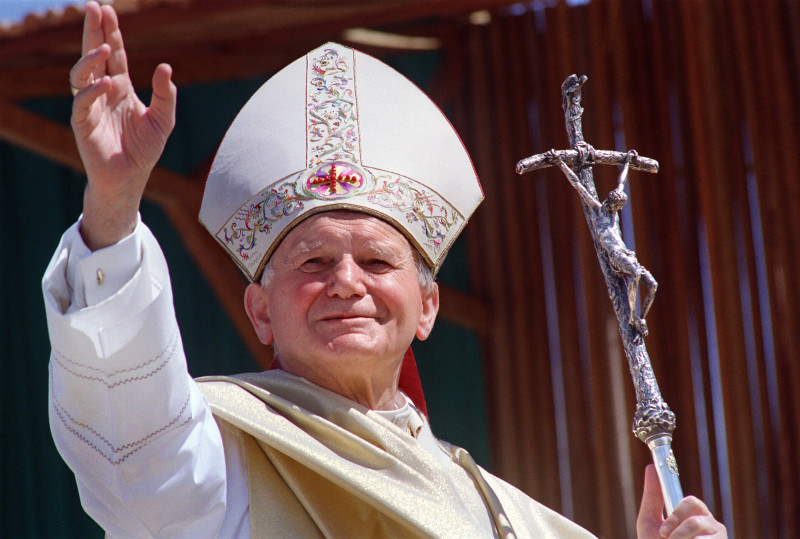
[370, 233]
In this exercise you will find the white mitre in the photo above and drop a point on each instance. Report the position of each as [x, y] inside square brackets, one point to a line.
[338, 129]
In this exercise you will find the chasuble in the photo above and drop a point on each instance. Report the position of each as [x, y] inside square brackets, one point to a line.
[157, 454]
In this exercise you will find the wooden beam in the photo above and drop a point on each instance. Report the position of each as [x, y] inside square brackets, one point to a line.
[38, 135]
[55, 142]
[177, 196]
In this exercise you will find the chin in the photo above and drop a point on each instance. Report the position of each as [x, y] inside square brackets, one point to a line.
[355, 347]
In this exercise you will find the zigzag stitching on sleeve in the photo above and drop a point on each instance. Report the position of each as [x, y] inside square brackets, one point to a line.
[61, 412]
[126, 380]
[173, 343]
[121, 459]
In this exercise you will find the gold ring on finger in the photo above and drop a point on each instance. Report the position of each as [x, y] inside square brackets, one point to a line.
[74, 89]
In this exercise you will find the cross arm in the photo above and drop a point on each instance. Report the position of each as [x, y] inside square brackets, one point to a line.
[570, 157]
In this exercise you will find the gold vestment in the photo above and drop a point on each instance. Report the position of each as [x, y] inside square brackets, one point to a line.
[320, 465]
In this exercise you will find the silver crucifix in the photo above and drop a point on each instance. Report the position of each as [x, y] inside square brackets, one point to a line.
[653, 421]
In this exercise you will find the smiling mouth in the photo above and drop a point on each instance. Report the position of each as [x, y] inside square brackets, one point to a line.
[343, 318]
[346, 320]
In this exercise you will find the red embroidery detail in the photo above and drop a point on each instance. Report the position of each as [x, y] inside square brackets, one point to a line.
[332, 179]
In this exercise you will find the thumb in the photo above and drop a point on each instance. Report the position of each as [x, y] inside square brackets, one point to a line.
[162, 103]
[651, 510]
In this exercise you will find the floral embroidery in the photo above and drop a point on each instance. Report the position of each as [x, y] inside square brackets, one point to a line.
[424, 210]
[419, 206]
[258, 216]
[331, 115]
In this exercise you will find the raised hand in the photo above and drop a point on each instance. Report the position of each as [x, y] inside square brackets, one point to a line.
[691, 517]
[119, 138]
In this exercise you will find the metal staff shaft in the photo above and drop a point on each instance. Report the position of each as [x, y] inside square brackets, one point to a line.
[653, 421]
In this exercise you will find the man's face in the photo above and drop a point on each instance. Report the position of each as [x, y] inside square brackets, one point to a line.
[344, 295]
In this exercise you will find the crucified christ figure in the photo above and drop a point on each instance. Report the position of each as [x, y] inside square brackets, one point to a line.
[620, 258]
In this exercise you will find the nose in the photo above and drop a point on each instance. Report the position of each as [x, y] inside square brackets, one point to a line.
[347, 279]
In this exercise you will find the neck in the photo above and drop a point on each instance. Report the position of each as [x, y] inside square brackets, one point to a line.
[376, 388]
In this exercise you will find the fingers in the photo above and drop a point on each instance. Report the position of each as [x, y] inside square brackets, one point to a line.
[691, 518]
[101, 26]
[689, 506]
[650, 511]
[90, 87]
[83, 100]
[162, 103]
[118, 61]
[652, 491]
[83, 72]
[92, 28]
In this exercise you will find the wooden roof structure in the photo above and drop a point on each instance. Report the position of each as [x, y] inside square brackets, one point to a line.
[206, 40]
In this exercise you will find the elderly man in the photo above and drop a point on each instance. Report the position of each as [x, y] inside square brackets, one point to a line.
[341, 232]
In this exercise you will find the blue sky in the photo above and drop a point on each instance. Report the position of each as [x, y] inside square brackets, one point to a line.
[15, 10]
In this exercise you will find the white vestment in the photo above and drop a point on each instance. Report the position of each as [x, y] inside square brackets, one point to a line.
[151, 460]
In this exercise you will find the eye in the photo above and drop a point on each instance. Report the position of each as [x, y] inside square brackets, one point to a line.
[378, 265]
[313, 264]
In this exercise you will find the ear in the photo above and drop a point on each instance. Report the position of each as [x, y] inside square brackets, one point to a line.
[255, 303]
[430, 308]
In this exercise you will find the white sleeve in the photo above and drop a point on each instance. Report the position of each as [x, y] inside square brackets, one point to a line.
[124, 412]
